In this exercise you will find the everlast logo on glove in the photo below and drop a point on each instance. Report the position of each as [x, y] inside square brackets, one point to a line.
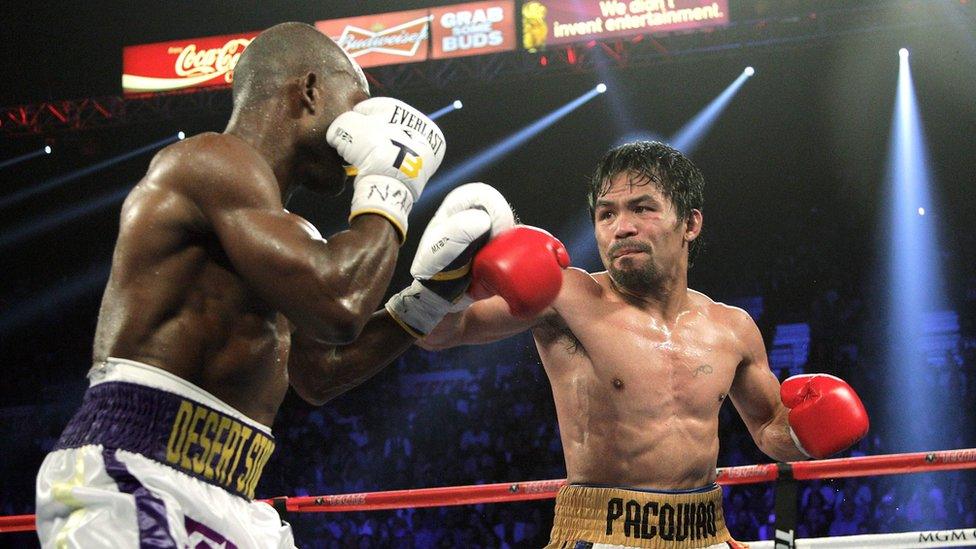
[408, 119]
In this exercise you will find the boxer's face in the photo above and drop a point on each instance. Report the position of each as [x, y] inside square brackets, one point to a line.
[638, 233]
[320, 168]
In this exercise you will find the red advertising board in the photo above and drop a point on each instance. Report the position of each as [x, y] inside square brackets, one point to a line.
[382, 39]
[472, 29]
[182, 64]
[552, 22]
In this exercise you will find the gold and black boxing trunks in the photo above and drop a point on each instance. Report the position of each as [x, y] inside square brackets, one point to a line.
[589, 516]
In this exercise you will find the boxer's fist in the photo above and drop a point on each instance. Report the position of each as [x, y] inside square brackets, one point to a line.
[826, 415]
[395, 150]
[478, 196]
[523, 265]
[468, 218]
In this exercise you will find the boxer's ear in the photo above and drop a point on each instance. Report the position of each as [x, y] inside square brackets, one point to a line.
[693, 224]
[310, 94]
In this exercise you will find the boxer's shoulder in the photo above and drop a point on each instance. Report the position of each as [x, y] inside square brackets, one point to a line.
[717, 310]
[579, 290]
[211, 168]
[728, 318]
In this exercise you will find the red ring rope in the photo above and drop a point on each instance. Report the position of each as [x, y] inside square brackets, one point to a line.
[889, 464]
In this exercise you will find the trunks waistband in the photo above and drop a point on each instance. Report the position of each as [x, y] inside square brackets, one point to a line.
[639, 518]
[141, 409]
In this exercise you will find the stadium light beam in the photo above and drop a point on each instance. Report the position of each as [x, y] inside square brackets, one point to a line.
[914, 279]
[25, 157]
[469, 167]
[689, 136]
[455, 105]
[50, 222]
[50, 300]
[56, 182]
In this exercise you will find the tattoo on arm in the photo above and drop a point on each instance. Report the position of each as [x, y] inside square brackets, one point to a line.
[704, 369]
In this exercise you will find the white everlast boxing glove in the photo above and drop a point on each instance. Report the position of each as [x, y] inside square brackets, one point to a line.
[470, 216]
[395, 150]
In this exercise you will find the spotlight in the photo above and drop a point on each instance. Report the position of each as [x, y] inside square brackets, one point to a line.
[903, 53]
[601, 87]
[47, 149]
[446, 180]
[749, 71]
[690, 135]
[180, 135]
[458, 104]
[921, 211]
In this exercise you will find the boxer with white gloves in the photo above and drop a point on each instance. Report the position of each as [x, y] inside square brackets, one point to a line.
[210, 277]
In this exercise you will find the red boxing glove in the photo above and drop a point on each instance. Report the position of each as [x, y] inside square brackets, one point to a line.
[524, 265]
[826, 415]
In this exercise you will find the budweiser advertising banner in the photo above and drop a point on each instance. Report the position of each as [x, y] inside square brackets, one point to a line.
[406, 36]
[472, 29]
[382, 39]
[552, 22]
[181, 64]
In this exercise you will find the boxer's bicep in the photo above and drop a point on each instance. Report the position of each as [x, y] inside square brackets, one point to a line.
[755, 390]
[279, 255]
[282, 257]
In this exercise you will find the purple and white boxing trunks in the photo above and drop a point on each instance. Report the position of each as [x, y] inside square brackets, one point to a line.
[151, 460]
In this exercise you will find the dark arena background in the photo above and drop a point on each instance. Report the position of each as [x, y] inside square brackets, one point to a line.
[839, 204]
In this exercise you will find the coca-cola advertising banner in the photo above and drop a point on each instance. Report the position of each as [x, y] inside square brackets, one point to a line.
[181, 64]
[472, 29]
[382, 39]
[552, 22]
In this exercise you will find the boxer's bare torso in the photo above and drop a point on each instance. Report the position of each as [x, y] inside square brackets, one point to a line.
[207, 264]
[638, 397]
[175, 301]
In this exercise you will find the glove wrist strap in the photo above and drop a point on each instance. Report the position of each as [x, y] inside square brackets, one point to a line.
[799, 446]
[385, 196]
[417, 309]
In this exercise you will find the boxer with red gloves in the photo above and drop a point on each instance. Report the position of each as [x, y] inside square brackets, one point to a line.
[640, 365]
[826, 415]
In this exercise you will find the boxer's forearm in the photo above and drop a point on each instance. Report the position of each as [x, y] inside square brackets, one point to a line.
[321, 372]
[445, 335]
[775, 440]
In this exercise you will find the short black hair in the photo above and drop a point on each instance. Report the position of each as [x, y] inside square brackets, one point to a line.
[653, 162]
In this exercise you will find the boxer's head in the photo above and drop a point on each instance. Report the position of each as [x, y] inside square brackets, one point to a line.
[294, 80]
[646, 202]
